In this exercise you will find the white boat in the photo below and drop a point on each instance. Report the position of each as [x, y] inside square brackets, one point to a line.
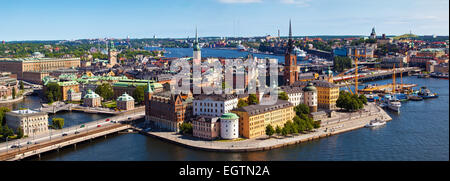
[301, 54]
[375, 123]
[394, 105]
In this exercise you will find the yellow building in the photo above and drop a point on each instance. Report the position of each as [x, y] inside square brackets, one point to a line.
[253, 119]
[327, 93]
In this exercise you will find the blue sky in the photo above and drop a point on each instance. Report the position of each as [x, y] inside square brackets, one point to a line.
[77, 19]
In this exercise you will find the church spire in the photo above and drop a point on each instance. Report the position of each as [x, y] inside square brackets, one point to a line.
[290, 42]
[196, 45]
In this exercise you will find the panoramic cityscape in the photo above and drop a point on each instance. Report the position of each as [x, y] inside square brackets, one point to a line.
[211, 86]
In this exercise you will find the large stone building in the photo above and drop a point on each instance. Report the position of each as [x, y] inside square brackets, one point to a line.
[425, 55]
[206, 127]
[92, 99]
[166, 111]
[31, 122]
[20, 65]
[327, 93]
[214, 104]
[253, 119]
[125, 102]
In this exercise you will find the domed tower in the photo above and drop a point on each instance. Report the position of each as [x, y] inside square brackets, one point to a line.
[373, 35]
[310, 97]
[197, 57]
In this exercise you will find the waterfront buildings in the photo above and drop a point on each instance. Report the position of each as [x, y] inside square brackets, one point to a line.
[92, 99]
[321, 94]
[206, 127]
[425, 55]
[253, 119]
[20, 65]
[229, 126]
[125, 102]
[214, 104]
[388, 62]
[167, 111]
[31, 122]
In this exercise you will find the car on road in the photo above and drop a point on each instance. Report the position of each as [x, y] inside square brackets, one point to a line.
[14, 146]
[29, 143]
[76, 132]
[36, 143]
[64, 134]
[99, 126]
[107, 120]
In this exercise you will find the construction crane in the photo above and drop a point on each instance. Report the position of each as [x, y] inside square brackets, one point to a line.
[356, 75]
[393, 80]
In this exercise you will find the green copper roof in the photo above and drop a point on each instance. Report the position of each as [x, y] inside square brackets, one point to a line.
[91, 94]
[125, 97]
[67, 83]
[310, 87]
[229, 116]
[149, 88]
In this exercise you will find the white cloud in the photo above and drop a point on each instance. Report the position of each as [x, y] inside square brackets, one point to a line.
[239, 1]
[301, 3]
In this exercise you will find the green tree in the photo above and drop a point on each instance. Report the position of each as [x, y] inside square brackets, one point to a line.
[301, 109]
[105, 91]
[269, 130]
[363, 99]
[19, 132]
[3, 110]
[242, 103]
[341, 63]
[58, 123]
[283, 96]
[6, 132]
[284, 131]
[21, 85]
[186, 128]
[349, 102]
[252, 99]
[53, 92]
[278, 130]
[139, 94]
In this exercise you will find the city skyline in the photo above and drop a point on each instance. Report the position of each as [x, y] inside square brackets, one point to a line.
[51, 20]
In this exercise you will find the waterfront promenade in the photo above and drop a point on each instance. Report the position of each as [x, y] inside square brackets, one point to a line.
[335, 126]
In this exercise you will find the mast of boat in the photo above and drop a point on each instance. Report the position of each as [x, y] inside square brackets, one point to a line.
[393, 80]
[401, 76]
[356, 73]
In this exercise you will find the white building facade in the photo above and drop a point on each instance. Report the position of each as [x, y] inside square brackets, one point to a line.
[31, 122]
[214, 105]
